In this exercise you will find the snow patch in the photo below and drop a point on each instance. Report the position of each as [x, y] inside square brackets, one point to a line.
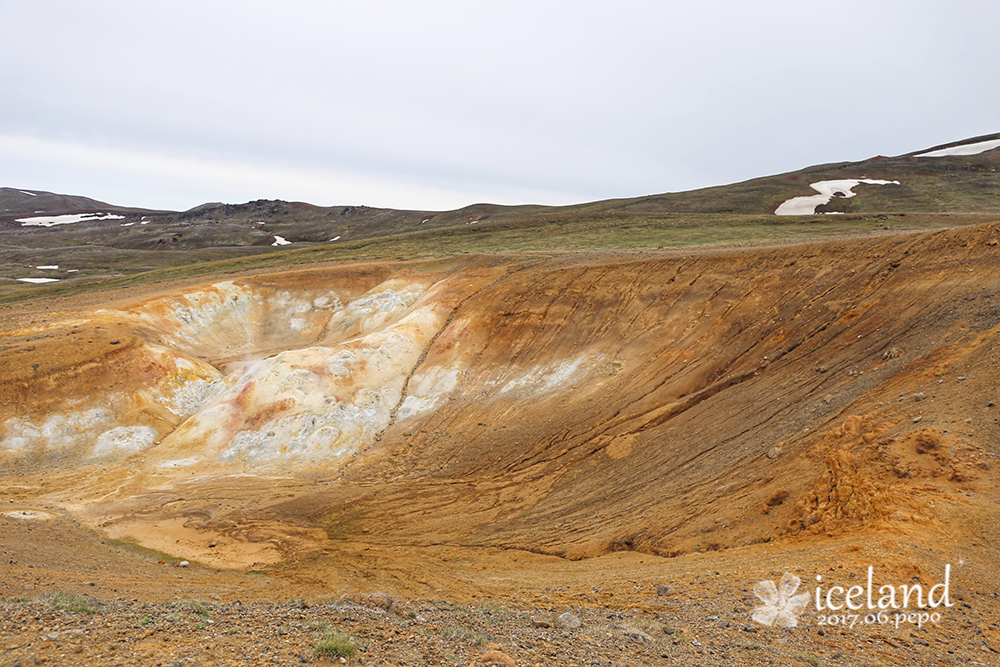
[964, 149]
[52, 220]
[48, 266]
[827, 190]
[39, 280]
[280, 240]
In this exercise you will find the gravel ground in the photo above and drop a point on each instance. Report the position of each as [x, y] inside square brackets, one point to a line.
[374, 629]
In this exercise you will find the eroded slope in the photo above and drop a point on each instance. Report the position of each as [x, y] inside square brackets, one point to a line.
[575, 405]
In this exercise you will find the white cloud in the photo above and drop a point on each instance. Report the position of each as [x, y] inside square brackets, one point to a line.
[444, 103]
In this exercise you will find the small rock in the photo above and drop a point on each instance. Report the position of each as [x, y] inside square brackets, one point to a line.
[916, 420]
[569, 621]
[381, 601]
[183, 563]
[541, 624]
[663, 589]
[921, 642]
[961, 378]
[750, 628]
[774, 452]
[640, 636]
[919, 396]
[211, 545]
[496, 658]
[215, 597]
[775, 499]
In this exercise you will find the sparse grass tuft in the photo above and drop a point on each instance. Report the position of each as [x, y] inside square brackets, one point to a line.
[198, 608]
[335, 643]
[463, 634]
[73, 603]
[14, 601]
[645, 624]
[319, 626]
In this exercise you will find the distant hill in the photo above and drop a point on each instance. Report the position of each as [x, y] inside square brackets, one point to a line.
[21, 202]
[937, 186]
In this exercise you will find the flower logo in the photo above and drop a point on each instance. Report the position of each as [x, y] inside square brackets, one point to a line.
[781, 605]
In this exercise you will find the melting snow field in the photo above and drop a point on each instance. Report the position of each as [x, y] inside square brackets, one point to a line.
[964, 149]
[52, 220]
[827, 190]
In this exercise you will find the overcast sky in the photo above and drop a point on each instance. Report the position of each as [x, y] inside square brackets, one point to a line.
[437, 104]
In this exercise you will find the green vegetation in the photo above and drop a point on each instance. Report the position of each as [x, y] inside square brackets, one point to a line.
[214, 243]
[73, 603]
[336, 644]
[566, 234]
[197, 608]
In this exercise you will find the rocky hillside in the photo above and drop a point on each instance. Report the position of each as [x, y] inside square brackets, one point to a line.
[89, 240]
